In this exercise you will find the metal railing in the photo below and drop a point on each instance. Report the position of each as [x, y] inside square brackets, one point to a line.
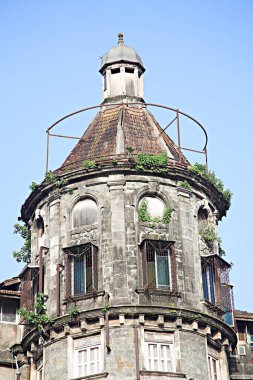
[176, 119]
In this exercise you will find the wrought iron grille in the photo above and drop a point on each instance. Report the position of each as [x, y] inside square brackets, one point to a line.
[158, 265]
[81, 270]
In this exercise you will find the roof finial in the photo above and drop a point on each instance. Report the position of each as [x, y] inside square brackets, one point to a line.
[120, 38]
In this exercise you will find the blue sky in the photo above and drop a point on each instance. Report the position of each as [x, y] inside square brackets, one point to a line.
[199, 58]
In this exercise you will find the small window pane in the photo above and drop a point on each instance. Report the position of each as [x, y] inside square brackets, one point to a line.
[162, 265]
[79, 275]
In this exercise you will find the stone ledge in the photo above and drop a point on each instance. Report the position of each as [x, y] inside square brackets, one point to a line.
[101, 375]
[176, 375]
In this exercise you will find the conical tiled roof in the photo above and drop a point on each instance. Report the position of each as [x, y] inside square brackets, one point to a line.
[113, 130]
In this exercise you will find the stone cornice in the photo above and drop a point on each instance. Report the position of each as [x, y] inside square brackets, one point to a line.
[175, 173]
[181, 316]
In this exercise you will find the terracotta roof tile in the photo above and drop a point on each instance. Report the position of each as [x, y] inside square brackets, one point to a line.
[113, 130]
[239, 314]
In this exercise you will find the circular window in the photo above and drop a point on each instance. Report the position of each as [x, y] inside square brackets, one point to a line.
[151, 209]
[84, 212]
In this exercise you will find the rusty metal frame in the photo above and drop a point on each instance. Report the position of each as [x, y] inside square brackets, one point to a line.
[177, 118]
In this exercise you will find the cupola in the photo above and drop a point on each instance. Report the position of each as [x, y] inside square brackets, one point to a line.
[122, 74]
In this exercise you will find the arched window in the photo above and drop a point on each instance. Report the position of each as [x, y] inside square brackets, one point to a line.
[202, 218]
[40, 226]
[151, 209]
[84, 212]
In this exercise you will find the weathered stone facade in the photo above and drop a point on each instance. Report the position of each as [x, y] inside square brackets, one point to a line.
[98, 257]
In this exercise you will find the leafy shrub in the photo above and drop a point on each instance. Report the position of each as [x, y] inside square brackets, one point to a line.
[24, 254]
[151, 162]
[51, 178]
[88, 164]
[38, 318]
[33, 186]
[185, 184]
[209, 236]
[210, 176]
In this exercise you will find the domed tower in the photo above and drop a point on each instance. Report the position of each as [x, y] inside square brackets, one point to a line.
[125, 252]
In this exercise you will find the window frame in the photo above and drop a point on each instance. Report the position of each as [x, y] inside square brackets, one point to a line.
[160, 360]
[208, 274]
[211, 368]
[158, 246]
[2, 301]
[71, 254]
[88, 349]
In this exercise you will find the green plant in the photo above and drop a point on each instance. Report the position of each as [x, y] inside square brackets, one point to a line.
[151, 162]
[71, 190]
[105, 309]
[114, 162]
[88, 164]
[209, 236]
[33, 186]
[38, 318]
[24, 254]
[52, 179]
[222, 252]
[167, 215]
[73, 311]
[129, 150]
[210, 176]
[143, 213]
[185, 184]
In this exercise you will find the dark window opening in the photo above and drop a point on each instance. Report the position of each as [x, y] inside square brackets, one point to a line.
[129, 70]
[105, 81]
[8, 311]
[81, 270]
[40, 226]
[115, 71]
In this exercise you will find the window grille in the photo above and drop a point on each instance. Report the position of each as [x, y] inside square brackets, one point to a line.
[158, 265]
[81, 270]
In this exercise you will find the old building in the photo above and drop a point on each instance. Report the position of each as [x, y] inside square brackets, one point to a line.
[132, 288]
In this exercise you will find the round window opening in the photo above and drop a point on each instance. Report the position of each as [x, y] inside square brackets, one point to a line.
[151, 209]
[84, 212]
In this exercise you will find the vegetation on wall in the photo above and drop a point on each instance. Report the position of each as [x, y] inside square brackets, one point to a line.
[209, 236]
[185, 185]
[37, 319]
[144, 215]
[146, 161]
[33, 186]
[24, 254]
[73, 311]
[52, 179]
[210, 176]
[89, 164]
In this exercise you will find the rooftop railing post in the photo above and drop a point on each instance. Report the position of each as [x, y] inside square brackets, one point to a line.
[47, 150]
[178, 137]
[206, 158]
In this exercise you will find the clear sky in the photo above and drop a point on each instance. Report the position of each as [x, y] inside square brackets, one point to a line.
[199, 58]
